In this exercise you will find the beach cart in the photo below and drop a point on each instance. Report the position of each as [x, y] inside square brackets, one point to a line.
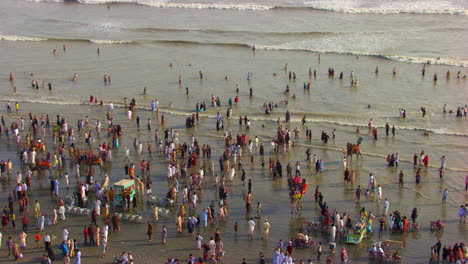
[122, 189]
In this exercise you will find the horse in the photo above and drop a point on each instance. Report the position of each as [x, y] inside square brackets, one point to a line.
[352, 149]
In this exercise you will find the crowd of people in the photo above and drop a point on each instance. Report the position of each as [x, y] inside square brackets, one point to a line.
[191, 164]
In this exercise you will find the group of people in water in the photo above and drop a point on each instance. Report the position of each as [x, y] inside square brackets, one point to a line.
[198, 173]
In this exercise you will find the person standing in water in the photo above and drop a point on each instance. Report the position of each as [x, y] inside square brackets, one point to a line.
[251, 224]
[164, 235]
[150, 231]
[445, 195]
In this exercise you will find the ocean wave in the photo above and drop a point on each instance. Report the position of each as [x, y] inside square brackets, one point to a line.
[103, 1]
[20, 38]
[94, 41]
[387, 11]
[107, 41]
[222, 31]
[206, 5]
[110, 42]
[421, 7]
[181, 5]
[44, 100]
[52, 1]
[407, 59]
[423, 60]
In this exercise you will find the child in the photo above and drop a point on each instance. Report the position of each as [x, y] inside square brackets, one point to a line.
[38, 239]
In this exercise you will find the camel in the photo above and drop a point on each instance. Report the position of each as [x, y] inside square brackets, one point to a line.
[39, 146]
[96, 161]
[41, 165]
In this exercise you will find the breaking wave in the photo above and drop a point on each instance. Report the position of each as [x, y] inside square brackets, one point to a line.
[20, 38]
[358, 7]
[399, 58]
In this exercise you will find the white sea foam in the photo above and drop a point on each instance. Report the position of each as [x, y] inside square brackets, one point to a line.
[407, 59]
[105, 1]
[441, 61]
[95, 41]
[41, 100]
[20, 38]
[163, 4]
[206, 5]
[394, 11]
[287, 46]
[432, 7]
[53, 1]
[108, 41]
